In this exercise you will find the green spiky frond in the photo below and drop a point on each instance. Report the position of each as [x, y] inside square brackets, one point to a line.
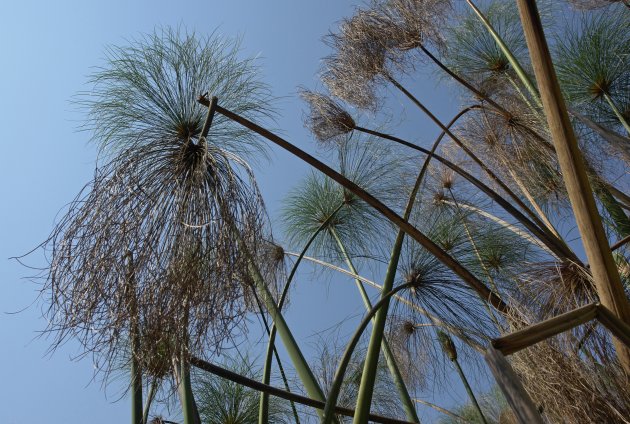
[593, 56]
[593, 65]
[147, 91]
[370, 165]
[329, 352]
[436, 289]
[473, 52]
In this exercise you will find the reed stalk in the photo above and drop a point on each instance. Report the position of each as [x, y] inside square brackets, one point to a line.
[602, 265]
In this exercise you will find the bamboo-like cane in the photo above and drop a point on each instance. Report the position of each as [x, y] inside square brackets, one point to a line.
[571, 162]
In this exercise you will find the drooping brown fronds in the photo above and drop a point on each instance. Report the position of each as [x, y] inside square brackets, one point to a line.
[180, 207]
[183, 204]
[374, 41]
[558, 287]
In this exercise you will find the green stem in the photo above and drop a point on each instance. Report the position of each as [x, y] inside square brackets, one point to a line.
[150, 397]
[335, 389]
[263, 412]
[527, 82]
[136, 386]
[301, 366]
[368, 378]
[408, 405]
[619, 115]
[263, 409]
[188, 400]
[469, 390]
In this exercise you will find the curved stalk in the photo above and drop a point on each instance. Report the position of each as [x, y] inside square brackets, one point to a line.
[555, 244]
[274, 391]
[366, 388]
[384, 210]
[408, 406]
[479, 162]
[264, 397]
[335, 388]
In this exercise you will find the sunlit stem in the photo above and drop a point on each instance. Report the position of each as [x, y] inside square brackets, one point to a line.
[527, 82]
[617, 113]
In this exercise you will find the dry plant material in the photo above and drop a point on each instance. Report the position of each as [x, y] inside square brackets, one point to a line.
[183, 203]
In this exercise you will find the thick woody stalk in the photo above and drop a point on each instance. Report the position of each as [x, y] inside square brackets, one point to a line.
[602, 265]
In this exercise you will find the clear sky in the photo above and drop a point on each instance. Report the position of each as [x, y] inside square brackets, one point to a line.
[47, 49]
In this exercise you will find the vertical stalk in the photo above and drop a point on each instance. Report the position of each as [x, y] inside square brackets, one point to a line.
[408, 404]
[449, 349]
[181, 368]
[335, 389]
[188, 402]
[263, 411]
[136, 385]
[150, 397]
[134, 335]
[589, 223]
[366, 388]
[263, 408]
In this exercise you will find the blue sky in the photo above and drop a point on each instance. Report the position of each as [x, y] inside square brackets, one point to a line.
[47, 51]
